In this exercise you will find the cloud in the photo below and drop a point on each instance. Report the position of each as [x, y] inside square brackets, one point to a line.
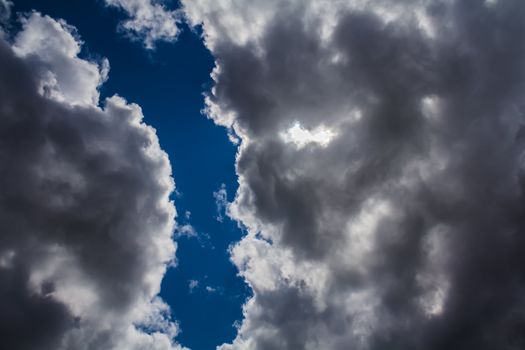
[192, 285]
[149, 21]
[211, 289]
[85, 212]
[221, 202]
[5, 10]
[405, 229]
[186, 230]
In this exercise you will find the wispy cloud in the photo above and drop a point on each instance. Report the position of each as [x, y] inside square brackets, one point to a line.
[221, 202]
[149, 21]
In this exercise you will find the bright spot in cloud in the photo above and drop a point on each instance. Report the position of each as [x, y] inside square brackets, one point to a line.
[301, 137]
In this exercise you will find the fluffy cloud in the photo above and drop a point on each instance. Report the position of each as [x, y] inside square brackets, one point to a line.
[54, 48]
[149, 21]
[85, 212]
[381, 169]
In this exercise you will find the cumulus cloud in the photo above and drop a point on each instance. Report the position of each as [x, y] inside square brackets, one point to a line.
[149, 21]
[210, 289]
[54, 47]
[381, 169]
[85, 212]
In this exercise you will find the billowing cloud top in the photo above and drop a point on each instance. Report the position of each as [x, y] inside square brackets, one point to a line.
[380, 169]
[85, 212]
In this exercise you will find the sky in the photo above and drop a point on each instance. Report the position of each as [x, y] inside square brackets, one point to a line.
[262, 175]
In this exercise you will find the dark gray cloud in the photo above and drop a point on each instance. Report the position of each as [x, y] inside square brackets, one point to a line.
[380, 170]
[85, 213]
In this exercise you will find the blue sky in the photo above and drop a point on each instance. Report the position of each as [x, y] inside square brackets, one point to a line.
[168, 83]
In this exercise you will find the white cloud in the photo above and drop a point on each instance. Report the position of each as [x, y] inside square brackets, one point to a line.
[149, 21]
[192, 285]
[221, 202]
[63, 76]
[302, 137]
[186, 230]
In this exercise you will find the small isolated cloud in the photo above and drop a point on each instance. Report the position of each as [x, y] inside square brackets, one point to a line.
[192, 285]
[211, 289]
[149, 21]
[221, 202]
[185, 230]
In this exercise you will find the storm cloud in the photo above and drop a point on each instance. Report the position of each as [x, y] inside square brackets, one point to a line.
[85, 213]
[380, 169]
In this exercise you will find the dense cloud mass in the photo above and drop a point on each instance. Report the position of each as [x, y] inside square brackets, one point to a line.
[149, 21]
[381, 169]
[85, 212]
